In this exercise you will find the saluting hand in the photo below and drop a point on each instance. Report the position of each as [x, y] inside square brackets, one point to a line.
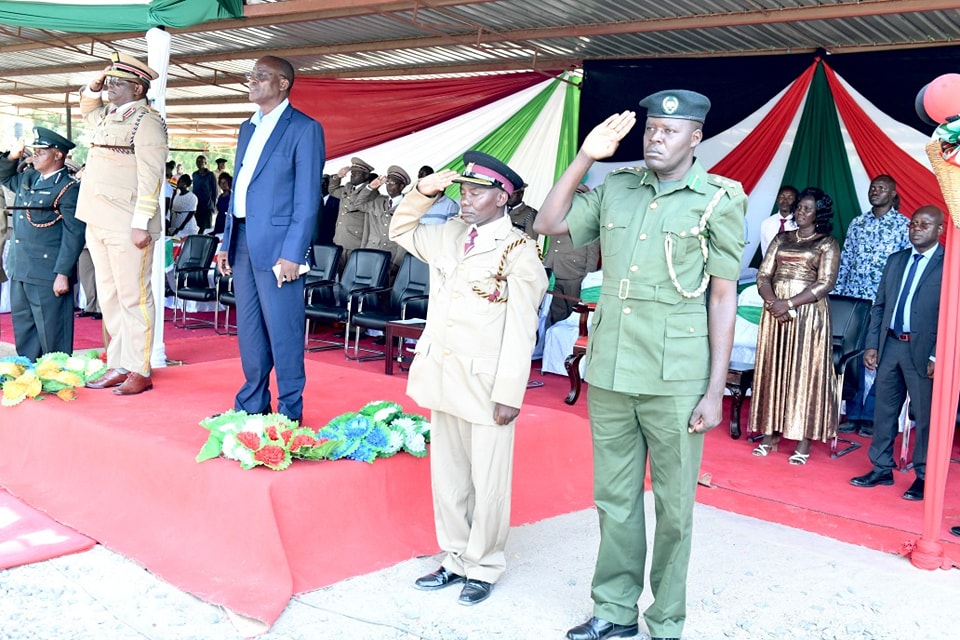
[378, 182]
[343, 171]
[436, 182]
[17, 149]
[603, 141]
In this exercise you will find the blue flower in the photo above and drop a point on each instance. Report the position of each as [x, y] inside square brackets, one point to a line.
[377, 438]
[357, 427]
[363, 453]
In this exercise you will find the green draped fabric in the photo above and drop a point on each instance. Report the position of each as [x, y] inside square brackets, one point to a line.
[819, 156]
[567, 147]
[91, 18]
[503, 141]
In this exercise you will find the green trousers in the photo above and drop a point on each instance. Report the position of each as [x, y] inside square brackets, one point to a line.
[626, 428]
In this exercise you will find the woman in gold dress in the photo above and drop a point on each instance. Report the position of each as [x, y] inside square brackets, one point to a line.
[794, 392]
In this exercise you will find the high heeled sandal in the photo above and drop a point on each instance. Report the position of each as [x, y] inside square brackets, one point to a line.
[799, 458]
[764, 449]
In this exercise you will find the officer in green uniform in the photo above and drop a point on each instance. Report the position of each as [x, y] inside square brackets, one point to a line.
[656, 364]
[47, 240]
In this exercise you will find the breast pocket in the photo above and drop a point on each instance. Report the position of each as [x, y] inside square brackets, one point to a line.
[684, 237]
[613, 238]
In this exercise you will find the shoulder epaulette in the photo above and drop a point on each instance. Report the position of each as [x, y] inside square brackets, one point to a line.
[635, 170]
[732, 186]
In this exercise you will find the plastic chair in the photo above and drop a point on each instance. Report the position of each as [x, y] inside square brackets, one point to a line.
[192, 278]
[850, 318]
[406, 299]
[327, 300]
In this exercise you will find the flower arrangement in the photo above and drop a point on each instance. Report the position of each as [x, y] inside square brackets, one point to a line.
[379, 429]
[56, 373]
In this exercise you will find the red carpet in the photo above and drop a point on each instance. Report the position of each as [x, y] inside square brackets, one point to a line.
[27, 535]
[122, 470]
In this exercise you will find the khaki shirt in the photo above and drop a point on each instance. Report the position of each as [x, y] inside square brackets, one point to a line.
[474, 352]
[351, 230]
[647, 338]
[125, 168]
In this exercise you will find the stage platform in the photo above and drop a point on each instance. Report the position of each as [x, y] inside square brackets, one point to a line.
[122, 471]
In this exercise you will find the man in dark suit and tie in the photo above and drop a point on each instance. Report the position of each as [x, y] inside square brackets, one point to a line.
[901, 343]
[273, 214]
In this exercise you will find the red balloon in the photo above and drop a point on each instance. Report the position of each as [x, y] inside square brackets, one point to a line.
[941, 100]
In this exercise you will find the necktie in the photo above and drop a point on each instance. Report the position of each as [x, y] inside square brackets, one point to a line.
[904, 292]
[783, 222]
[469, 243]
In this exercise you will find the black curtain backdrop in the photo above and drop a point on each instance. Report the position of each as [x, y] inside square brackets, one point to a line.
[739, 86]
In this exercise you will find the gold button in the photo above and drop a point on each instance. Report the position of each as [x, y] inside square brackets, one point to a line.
[643, 236]
[653, 205]
[634, 268]
[446, 352]
[692, 329]
[627, 310]
[609, 225]
[683, 234]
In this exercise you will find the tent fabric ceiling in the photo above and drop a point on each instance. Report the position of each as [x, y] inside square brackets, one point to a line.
[362, 39]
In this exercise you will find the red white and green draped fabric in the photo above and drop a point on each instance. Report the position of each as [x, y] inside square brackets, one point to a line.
[102, 16]
[818, 131]
[526, 119]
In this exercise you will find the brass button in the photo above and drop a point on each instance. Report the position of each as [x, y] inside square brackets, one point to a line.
[683, 234]
[627, 310]
[643, 236]
[446, 352]
[692, 329]
[653, 205]
[634, 268]
[609, 225]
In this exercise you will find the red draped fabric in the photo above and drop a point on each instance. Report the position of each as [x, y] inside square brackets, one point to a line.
[916, 184]
[748, 161]
[357, 114]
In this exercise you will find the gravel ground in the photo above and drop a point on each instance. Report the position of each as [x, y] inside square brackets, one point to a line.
[748, 579]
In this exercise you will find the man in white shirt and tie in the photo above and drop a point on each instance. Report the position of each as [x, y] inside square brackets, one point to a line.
[782, 220]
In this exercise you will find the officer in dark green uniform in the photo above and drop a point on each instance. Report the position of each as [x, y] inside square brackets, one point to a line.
[47, 240]
[656, 364]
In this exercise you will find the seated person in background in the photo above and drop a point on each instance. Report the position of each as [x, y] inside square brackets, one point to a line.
[183, 210]
[794, 389]
[443, 207]
[901, 344]
[225, 184]
[782, 220]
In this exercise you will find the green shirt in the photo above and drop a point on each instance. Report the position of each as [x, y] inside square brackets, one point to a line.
[647, 337]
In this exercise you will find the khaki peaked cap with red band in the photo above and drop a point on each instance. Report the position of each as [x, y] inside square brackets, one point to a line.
[485, 170]
[129, 68]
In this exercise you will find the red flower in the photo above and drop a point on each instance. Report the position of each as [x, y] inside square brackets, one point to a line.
[249, 439]
[302, 441]
[286, 435]
[270, 455]
[271, 432]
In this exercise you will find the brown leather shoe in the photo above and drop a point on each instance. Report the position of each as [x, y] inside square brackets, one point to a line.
[112, 378]
[134, 384]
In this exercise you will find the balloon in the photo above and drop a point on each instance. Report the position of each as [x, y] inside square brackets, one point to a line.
[918, 105]
[941, 98]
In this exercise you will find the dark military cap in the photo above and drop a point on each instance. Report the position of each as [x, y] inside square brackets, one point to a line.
[220, 161]
[357, 163]
[46, 139]
[398, 173]
[485, 170]
[677, 103]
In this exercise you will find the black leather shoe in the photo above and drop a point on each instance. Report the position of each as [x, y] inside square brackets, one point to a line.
[866, 429]
[849, 426]
[438, 580]
[873, 478]
[597, 629]
[915, 492]
[955, 531]
[475, 592]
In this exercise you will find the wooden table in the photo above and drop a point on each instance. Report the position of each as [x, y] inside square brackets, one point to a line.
[739, 381]
[394, 333]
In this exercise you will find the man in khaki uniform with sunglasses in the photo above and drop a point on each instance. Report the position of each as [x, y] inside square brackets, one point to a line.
[120, 202]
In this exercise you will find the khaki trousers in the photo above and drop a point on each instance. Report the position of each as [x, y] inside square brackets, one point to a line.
[626, 428]
[125, 295]
[471, 471]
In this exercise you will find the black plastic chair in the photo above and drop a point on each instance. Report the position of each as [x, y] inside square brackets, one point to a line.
[374, 308]
[327, 300]
[850, 318]
[193, 281]
[227, 299]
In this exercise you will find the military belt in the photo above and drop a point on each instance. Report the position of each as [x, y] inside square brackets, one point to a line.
[113, 147]
[625, 289]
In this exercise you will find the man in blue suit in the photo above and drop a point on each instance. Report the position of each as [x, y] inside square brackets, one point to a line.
[901, 343]
[272, 216]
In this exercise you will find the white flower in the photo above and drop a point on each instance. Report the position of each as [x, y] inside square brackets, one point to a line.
[394, 441]
[407, 424]
[383, 414]
[74, 363]
[416, 443]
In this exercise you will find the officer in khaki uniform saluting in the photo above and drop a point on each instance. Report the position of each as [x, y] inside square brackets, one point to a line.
[351, 221]
[656, 365]
[472, 362]
[120, 202]
[380, 210]
[47, 240]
